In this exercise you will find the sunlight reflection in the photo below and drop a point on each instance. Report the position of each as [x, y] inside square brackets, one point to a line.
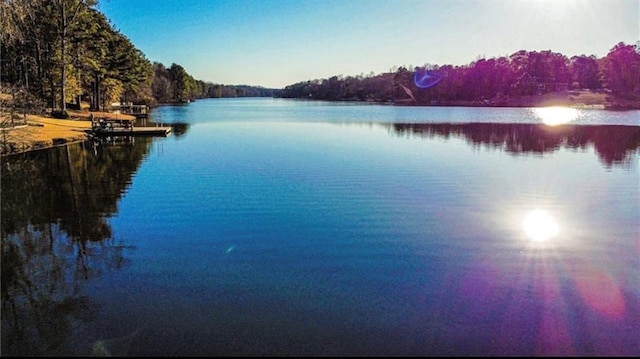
[556, 115]
[540, 226]
[563, 264]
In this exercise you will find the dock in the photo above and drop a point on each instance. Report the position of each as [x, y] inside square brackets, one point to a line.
[125, 127]
[135, 131]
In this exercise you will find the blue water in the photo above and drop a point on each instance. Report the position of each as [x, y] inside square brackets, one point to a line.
[287, 110]
[281, 227]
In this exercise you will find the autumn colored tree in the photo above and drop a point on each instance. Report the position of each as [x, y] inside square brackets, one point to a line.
[621, 70]
[585, 72]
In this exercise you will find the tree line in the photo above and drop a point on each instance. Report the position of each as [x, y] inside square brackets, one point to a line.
[174, 84]
[65, 52]
[524, 73]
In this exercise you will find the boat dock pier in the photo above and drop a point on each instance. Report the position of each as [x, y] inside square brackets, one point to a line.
[125, 127]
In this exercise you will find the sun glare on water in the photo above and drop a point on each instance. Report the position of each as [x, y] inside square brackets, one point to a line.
[556, 115]
[540, 226]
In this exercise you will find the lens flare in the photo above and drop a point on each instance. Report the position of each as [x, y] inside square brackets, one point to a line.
[540, 226]
[556, 115]
[424, 78]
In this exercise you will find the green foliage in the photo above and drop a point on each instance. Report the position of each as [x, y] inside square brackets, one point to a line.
[62, 50]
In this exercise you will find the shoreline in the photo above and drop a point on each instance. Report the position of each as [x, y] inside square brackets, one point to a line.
[574, 99]
[41, 132]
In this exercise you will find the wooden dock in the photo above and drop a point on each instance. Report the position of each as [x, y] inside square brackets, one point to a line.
[124, 127]
[135, 131]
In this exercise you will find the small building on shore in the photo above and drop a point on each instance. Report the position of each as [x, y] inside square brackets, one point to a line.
[128, 108]
[533, 85]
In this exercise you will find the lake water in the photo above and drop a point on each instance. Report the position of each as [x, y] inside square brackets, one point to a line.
[292, 228]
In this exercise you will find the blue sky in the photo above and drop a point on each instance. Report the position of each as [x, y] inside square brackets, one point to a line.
[274, 43]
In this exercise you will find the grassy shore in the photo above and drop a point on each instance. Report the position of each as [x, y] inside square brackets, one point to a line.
[44, 132]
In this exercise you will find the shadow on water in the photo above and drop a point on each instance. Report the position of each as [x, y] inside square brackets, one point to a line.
[614, 144]
[56, 238]
[179, 129]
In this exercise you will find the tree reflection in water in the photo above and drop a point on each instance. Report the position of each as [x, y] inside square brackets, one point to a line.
[614, 144]
[56, 238]
[56, 204]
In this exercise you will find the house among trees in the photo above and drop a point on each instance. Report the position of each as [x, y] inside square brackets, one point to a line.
[129, 108]
[533, 85]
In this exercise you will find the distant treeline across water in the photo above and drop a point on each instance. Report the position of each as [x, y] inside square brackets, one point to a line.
[60, 53]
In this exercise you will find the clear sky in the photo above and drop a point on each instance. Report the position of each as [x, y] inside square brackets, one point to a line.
[274, 43]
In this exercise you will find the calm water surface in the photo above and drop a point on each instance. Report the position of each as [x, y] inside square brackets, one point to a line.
[281, 227]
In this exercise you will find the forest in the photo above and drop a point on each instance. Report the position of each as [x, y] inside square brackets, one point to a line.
[62, 53]
[492, 81]
[59, 54]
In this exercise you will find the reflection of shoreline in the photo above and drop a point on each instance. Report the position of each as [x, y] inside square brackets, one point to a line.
[615, 144]
[56, 237]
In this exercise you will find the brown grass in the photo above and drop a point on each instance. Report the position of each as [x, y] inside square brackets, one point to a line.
[588, 98]
[44, 132]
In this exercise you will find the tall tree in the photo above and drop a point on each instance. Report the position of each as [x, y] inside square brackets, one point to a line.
[621, 70]
[585, 72]
[68, 13]
[180, 80]
[26, 34]
[161, 85]
[91, 50]
[129, 66]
